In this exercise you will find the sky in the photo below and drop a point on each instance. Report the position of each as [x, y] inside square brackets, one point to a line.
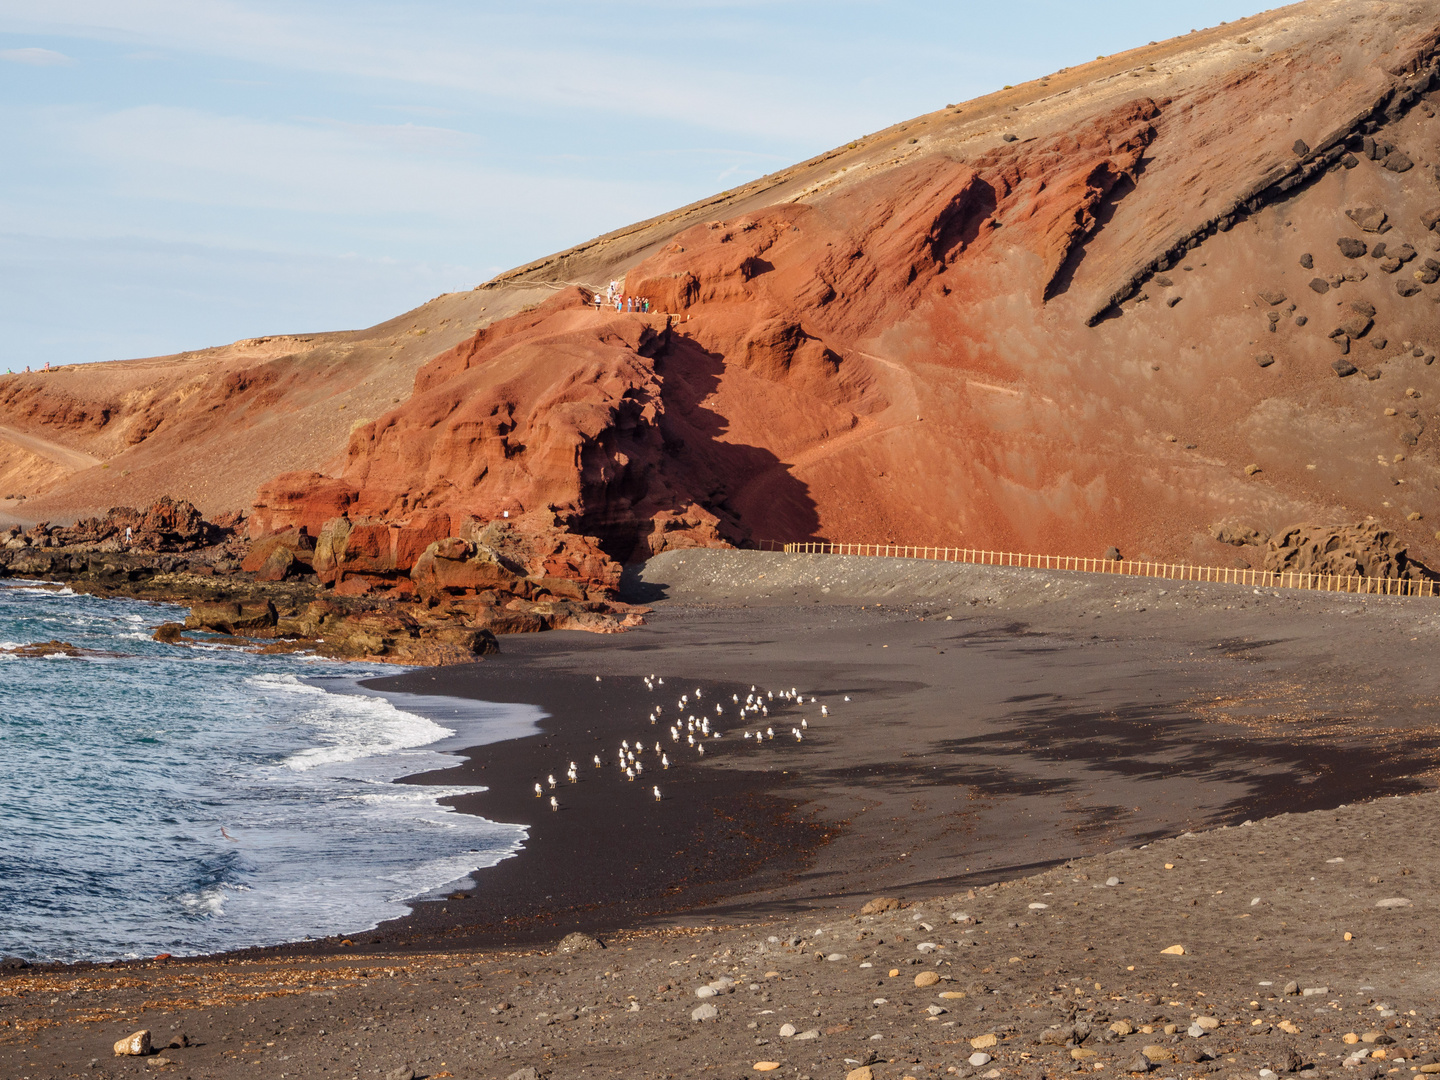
[184, 173]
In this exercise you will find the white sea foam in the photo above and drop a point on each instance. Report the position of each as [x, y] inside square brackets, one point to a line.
[350, 727]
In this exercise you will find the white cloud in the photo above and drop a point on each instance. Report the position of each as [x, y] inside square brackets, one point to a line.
[36, 57]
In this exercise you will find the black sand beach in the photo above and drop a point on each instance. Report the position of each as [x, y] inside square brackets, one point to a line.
[1001, 723]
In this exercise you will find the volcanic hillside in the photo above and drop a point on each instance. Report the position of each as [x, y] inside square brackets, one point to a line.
[1189, 285]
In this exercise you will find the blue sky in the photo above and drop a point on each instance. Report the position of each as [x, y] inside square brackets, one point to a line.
[184, 173]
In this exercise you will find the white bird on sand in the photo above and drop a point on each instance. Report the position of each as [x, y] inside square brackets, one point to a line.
[597, 761]
[719, 711]
[735, 698]
[769, 732]
[664, 762]
[747, 734]
[629, 774]
[597, 678]
[624, 744]
[554, 803]
[657, 746]
[799, 735]
[697, 691]
[824, 711]
[701, 748]
[551, 781]
[539, 791]
[765, 710]
[660, 682]
[770, 695]
[804, 723]
[639, 768]
[847, 697]
[657, 793]
[690, 739]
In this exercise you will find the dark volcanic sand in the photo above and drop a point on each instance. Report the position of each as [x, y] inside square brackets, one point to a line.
[1050, 717]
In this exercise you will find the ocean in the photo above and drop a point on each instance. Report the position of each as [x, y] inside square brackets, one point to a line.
[184, 800]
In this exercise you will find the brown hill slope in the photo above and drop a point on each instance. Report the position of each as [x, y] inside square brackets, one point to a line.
[1036, 321]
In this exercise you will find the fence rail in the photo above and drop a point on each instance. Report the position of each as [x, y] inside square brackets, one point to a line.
[1269, 579]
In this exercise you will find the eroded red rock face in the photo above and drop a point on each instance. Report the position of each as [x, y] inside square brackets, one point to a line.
[1098, 309]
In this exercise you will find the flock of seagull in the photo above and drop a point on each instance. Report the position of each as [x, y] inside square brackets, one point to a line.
[694, 729]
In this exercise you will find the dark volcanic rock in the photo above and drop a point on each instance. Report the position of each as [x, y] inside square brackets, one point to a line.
[1344, 368]
[1350, 247]
[1370, 219]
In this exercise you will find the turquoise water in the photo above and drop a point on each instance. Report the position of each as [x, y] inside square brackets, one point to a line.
[188, 800]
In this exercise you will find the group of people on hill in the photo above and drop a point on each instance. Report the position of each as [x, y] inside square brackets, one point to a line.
[615, 295]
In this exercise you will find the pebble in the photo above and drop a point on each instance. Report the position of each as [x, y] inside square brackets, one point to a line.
[1081, 1054]
[1291, 988]
[1112, 881]
[925, 978]
[1195, 1031]
[937, 1010]
[834, 956]
[1139, 1064]
[1038, 907]
[862, 1073]
[813, 1033]
[1268, 1074]
[1315, 991]
[1209, 1023]
[1394, 902]
[136, 1045]
[705, 1012]
[926, 947]
[786, 1030]
[766, 1066]
[978, 1059]
[983, 1042]
[705, 992]
[1173, 950]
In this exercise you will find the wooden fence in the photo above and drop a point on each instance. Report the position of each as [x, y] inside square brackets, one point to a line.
[1265, 579]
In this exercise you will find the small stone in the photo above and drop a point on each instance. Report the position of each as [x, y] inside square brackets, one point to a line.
[1397, 162]
[952, 995]
[1195, 1031]
[1139, 1064]
[1273, 297]
[1315, 991]
[136, 1045]
[1350, 1038]
[1414, 515]
[1351, 248]
[983, 1042]
[1163, 281]
[813, 1033]
[1174, 950]
[926, 978]
[158, 1062]
[1010, 138]
[578, 942]
[1264, 360]
[862, 1073]
[962, 918]
[1370, 219]
[1289, 1027]
[767, 1066]
[1081, 1054]
[1042, 907]
[1157, 1053]
[705, 1012]
[1250, 470]
[1301, 148]
[978, 1059]
[1301, 320]
[1407, 288]
[1307, 261]
[1320, 285]
[1112, 881]
[835, 956]
[1209, 1023]
[1173, 301]
[1344, 368]
[787, 1030]
[1291, 988]
[1394, 902]
[1122, 1027]
[407, 1073]
[936, 1010]
[881, 904]
[705, 991]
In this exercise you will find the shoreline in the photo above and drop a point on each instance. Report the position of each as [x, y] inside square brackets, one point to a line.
[781, 840]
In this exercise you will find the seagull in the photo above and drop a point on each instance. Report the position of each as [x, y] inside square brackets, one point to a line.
[539, 791]
[597, 678]
[624, 744]
[697, 691]
[660, 682]
[799, 735]
[551, 781]
[657, 746]
[769, 732]
[554, 802]
[847, 697]
[747, 734]
[664, 761]
[719, 711]
[701, 748]
[735, 698]
[597, 761]
[656, 789]
[629, 774]
[689, 738]
[824, 711]
[639, 768]
[803, 724]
